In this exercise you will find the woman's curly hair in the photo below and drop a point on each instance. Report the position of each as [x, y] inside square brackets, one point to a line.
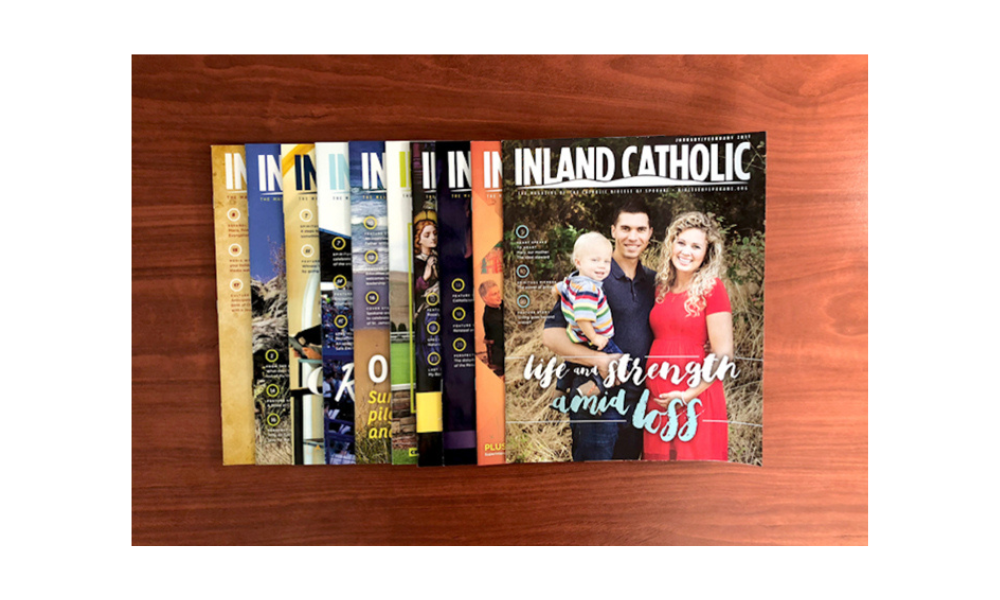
[710, 269]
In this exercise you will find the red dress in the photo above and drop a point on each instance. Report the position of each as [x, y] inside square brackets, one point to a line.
[679, 339]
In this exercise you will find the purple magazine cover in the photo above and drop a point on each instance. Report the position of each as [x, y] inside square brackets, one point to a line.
[454, 176]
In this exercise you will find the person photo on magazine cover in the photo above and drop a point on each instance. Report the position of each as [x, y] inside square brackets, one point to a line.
[691, 313]
[492, 297]
[684, 314]
[630, 293]
[585, 307]
[307, 343]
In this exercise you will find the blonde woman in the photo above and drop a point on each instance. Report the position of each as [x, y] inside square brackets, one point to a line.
[691, 312]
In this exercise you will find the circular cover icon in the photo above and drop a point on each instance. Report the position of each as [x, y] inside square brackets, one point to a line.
[521, 231]
[236, 285]
[271, 355]
[433, 328]
[523, 271]
[233, 214]
[371, 298]
[339, 282]
[308, 251]
[433, 359]
[273, 419]
[433, 299]
[459, 345]
[458, 314]
[458, 285]
[306, 215]
[338, 243]
[235, 250]
[523, 301]
[370, 222]
[340, 321]
[371, 257]
[272, 390]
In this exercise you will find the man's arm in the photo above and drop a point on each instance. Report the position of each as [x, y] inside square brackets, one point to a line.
[557, 341]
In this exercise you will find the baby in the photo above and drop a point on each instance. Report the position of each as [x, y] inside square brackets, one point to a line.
[584, 305]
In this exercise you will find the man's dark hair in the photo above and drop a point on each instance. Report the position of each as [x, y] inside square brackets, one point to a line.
[632, 204]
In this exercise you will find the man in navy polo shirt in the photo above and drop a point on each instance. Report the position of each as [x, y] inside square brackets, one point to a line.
[631, 292]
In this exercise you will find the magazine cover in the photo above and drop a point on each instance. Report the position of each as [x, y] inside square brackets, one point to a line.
[426, 306]
[232, 264]
[370, 249]
[399, 198]
[305, 340]
[337, 298]
[634, 298]
[454, 179]
[487, 281]
[269, 302]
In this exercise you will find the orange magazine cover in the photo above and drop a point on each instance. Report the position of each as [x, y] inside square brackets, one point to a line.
[487, 279]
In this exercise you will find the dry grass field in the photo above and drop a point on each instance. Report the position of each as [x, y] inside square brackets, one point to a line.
[279, 451]
[371, 450]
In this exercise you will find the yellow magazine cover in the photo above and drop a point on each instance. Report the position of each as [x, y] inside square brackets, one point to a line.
[232, 262]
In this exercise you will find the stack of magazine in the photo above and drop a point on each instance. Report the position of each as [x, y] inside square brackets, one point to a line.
[460, 303]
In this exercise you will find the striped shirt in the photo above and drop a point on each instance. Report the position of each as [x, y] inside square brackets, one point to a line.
[583, 299]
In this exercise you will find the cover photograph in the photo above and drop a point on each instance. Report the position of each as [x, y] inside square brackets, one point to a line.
[633, 275]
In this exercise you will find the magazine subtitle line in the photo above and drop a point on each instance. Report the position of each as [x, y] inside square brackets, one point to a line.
[627, 369]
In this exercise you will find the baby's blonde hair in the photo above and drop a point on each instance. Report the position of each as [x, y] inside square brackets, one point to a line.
[589, 241]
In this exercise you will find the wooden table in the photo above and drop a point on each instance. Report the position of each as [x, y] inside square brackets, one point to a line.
[813, 488]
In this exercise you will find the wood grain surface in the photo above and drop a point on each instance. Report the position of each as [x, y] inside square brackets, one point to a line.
[813, 487]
